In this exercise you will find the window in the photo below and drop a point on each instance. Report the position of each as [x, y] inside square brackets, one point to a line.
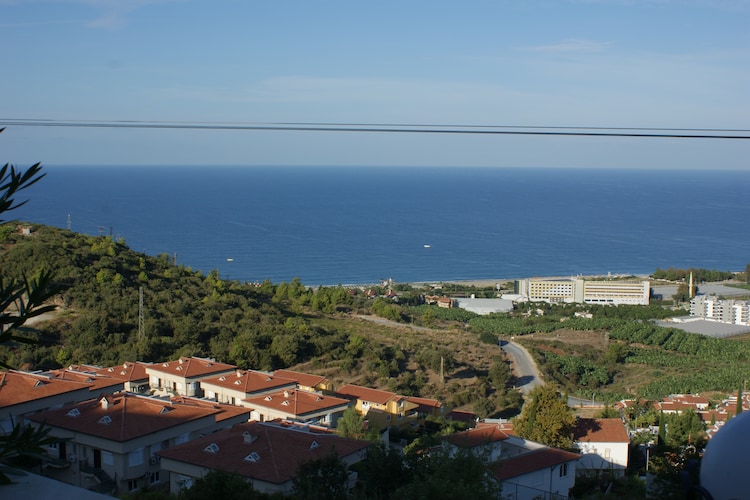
[563, 470]
[154, 477]
[135, 457]
[181, 439]
[107, 458]
[212, 448]
[252, 457]
[132, 484]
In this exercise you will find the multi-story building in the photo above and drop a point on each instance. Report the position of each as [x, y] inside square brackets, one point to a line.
[268, 455]
[110, 443]
[234, 388]
[133, 375]
[183, 376]
[295, 405]
[711, 307]
[604, 444]
[382, 409]
[608, 292]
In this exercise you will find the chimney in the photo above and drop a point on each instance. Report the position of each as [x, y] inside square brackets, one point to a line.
[248, 438]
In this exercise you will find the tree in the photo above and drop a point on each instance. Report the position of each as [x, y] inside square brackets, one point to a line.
[352, 425]
[220, 484]
[25, 297]
[546, 418]
[323, 479]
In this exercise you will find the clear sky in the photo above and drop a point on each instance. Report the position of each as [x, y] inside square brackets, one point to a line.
[567, 63]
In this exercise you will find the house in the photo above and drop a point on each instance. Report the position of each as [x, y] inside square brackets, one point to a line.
[111, 441]
[133, 375]
[677, 403]
[604, 444]
[97, 383]
[184, 375]
[23, 393]
[266, 454]
[298, 406]
[427, 407]
[234, 388]
[305, 381]
[541, 472]
[382, 409]
[524, 469]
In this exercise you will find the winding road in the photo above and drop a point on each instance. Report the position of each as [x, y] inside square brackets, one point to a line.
[524, 367]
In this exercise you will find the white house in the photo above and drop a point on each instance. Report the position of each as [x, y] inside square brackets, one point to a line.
[604, 445]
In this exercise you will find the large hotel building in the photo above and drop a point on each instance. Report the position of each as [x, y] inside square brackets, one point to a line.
[584, 291]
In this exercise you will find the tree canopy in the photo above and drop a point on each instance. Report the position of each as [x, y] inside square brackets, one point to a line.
[546, 418]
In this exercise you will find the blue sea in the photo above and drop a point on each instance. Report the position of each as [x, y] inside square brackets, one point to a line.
[337, 225]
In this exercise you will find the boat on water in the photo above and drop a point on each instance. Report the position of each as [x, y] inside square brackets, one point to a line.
[427, 246]
[230, 260]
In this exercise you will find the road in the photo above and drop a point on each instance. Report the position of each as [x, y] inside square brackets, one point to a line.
[524, 366]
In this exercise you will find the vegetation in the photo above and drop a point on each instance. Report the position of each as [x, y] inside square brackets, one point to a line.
[546, 418]
[699, 275]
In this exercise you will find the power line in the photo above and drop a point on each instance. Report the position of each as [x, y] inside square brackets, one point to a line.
[677, 133]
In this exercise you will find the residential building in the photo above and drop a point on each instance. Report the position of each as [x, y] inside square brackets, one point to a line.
[711, 307]
[98, 384]
[306, 381]
[381, 409]
[267, 454]
[110, 443]
[133, 375]
[539, 473]
[524, 469]
[604, 444]
[23, 393]
[295, 405]
[607, 292]
[183, 376]
[234, 388]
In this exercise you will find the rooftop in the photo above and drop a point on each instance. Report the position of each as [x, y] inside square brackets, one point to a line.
[250, 381]
[296, 402]
[261, 451]
[191, 367]
[600, 430]
[525, 463]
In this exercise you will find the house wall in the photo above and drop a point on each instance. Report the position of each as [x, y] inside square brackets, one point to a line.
[557, 480]
[603, 456]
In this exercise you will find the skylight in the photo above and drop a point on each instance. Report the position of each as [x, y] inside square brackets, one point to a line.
[212, 448]
[252, 457]
[105, 420]
[314, 445]
[74, 412]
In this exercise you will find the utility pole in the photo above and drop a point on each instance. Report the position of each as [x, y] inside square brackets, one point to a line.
[69, 222]
[442, 373]
[140, 313]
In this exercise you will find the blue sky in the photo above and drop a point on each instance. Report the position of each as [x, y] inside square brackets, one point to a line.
[618, 63]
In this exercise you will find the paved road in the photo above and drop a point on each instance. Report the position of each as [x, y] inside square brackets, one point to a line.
[524, 366]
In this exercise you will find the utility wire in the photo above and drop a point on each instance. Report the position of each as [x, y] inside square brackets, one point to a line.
[677, 133]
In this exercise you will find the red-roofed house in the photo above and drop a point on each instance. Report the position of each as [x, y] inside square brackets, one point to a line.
[484, 439]
[305, 381]
[133, 375]
[542, 472]
[23, 393]
[427, 407]
[183, 376]
[112, 441]
[382, 409]
[268, 455]
[298, 406]
[235, 387]
[604, 443]
[98, 384]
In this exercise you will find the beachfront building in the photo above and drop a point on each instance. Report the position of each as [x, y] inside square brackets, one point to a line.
[583, 291]
[711, 307]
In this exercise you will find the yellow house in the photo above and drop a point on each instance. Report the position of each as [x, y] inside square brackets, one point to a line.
[381, 409]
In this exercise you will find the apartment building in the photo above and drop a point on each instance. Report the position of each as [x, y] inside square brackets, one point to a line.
[235, 388]
[183, 376]
[584, 291]
[110, 443]
[382, 409]
[711, 307]
[294, 405]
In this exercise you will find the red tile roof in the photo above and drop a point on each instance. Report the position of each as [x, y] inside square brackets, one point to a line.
[251, 382]
[600, 430]
[20, 387]
[124, 416]
[366, 394]
[128, 372]
[296, 402]
[532, 461]
[261, 451]
[97, 383]
[227, 411]
[303, 379]
[191, 367]
[477, 437]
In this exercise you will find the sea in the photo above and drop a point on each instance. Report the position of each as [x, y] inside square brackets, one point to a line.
[361, 225]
